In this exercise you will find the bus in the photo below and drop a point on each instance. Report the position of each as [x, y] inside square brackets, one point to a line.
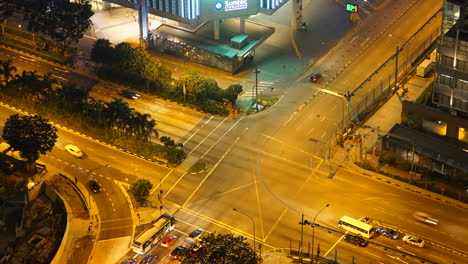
[153, 235]
[356, 226]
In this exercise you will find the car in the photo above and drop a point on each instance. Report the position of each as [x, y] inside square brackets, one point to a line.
[169, 240]
[196, 249]
[415, 241]
[177, 251]
[314, 77]
[150, 259]
[74, 150]
[356, 240]
[94, 186]
[194, 235]
[425, 218]
[129, 94]
[387, 232]
[129, 261]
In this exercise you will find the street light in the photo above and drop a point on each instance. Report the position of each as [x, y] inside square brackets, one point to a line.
[256, 87]
[398, 50]
[253, 225]
[313, 232]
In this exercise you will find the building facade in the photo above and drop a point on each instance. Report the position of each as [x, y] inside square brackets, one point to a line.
[198, 11]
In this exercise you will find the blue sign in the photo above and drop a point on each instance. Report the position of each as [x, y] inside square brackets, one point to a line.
[218, 5]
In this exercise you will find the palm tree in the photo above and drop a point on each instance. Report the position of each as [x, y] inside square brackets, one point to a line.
[7, 70]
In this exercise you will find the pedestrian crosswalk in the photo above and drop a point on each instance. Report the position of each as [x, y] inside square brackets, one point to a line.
[263, 87]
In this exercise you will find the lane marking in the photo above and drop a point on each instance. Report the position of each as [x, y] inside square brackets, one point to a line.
[201, 142]
[219, 139]
[193, 134]
[209, 173]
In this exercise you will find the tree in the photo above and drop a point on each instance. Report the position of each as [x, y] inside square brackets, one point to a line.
[30, 135]
[7, 71]
[222, 248]
[140, 189]
[62, 20]
[102, 51]
[232, 92]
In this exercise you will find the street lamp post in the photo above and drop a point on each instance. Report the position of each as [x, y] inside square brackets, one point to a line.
[256, 88]
[253, 226]
[313, 232]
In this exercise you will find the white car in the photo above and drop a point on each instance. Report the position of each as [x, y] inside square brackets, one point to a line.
[74, 150]
[194, 235]
[415, 241]
[425, 218]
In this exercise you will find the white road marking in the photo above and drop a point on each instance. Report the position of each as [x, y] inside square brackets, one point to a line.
[201, 142]
[219, 139]
[364, 42]
[193, 134]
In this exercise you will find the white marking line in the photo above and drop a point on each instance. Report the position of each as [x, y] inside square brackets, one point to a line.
[161, 181]
[58, 77]
[207, 136]
[329, 92]
[209, 173]
[198, 130]
[26, 58]
[334, 245]
[219, 139]
[60, 69]
[437, 257]
[373, 254]
[324, 134]
[289, 119]
[364, 42]
[353, 39]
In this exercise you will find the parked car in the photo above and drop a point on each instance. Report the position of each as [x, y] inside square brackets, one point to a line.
[169, 240]
[129, 94]
[314, 77]
[415, 241]
[387, 232]
[177, 251]
[425, 218]
[150, 259]
[74, 150]
[196, 249]
[129, 261]
[94, 186]
[194, 235]
[356, 240]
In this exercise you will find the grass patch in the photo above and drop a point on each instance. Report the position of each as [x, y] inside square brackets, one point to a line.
[199, 166]
[20, 33]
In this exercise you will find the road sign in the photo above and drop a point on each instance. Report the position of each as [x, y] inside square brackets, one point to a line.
[351, 8]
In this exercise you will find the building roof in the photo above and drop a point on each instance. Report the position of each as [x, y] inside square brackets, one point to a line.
[428, 145]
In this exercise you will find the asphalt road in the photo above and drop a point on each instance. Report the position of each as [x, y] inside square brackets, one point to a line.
[273, 166]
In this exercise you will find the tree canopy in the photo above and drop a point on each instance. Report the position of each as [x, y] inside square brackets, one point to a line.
[30, 135]
[140, 189]
[63, 20]
[221, 249]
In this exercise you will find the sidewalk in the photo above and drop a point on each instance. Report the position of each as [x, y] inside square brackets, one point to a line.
[77, 243]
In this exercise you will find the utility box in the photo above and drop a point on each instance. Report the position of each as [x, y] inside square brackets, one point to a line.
[424, 68]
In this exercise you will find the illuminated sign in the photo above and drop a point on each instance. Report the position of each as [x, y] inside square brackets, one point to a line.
[230, 5]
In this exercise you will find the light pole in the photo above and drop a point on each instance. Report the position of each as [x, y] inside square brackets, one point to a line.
[253, 226]
[256, 87]
[398, 49]
[313, 232]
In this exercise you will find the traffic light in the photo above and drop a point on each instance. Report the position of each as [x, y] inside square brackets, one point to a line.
[352, 8]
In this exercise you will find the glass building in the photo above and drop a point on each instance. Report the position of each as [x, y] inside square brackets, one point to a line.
[451, 84]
